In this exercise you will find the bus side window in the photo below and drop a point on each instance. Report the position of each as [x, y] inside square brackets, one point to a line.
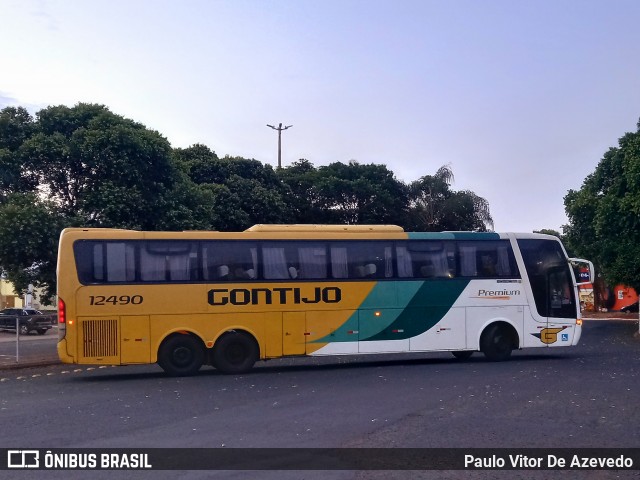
[425, 259]
[227, 260]
[428, 270]
[487, 259]
[120, 261]
[274, 263]
[339, 262]
[280, 261]
[313, 262]
[167, 261]
[90, 258]
[222, 272]
[405, 264]
[361, 259]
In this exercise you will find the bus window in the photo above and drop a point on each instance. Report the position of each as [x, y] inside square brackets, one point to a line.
[280, 260]
[230, 261]
[105, 262]
[168, 261]
[550, 277]
[361, 260]
[425, 259]
[487, 259]
[312, 258]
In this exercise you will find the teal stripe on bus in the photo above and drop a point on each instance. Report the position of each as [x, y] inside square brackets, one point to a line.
[427, 307]
[413, 308]
[453, 236]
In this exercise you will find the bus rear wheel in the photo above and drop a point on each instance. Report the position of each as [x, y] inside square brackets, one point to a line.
[181, 355]
[235, 352]
[497, 342]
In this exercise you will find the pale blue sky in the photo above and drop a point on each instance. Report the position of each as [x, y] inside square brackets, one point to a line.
[521, 98]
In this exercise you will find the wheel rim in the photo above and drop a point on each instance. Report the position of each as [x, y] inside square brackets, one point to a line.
[182, 356]
[501, 342]
[235, 353]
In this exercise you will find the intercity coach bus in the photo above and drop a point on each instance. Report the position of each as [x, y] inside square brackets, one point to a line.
[188, 299]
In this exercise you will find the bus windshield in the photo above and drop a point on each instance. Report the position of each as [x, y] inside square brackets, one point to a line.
[550, 276]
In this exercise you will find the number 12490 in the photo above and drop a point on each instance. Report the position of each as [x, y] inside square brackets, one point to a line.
[115, 300]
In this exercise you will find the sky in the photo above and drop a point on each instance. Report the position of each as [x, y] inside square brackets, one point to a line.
[520, 98]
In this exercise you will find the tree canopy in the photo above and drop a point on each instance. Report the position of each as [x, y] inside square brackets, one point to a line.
[435, 207]
[604, 215]
[86, 166]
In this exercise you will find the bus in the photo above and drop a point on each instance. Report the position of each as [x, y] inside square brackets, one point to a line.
[228, 299]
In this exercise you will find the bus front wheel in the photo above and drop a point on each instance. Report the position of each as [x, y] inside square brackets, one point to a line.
[181, 355]
[235, 352]
[497, 342]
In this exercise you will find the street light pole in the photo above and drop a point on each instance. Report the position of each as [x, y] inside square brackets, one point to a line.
[279, 128]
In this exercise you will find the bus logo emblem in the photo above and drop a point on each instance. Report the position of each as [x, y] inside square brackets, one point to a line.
[550, 335]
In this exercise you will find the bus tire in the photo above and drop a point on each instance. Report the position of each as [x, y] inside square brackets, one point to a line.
[462, 354]
[235, 352]
[497, 342]
[181, 355]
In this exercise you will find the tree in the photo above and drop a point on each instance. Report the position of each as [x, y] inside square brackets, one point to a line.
[358, 193]
[242, 191]
[604, 215]
[29, 232]
[549, 231]
[16, 125]
[302, 179]
[78, 166]
[435, 207]
[101, 167]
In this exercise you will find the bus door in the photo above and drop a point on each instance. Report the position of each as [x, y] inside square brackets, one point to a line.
[562, 308]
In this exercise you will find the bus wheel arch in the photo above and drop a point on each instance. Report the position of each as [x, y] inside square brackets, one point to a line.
[235, 351]
[181, 354]
[498, 340]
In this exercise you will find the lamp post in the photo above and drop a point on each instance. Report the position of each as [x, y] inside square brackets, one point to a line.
[279, 128]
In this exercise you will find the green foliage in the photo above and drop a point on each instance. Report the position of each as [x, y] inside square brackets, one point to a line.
[16, 125]
[357, 193]
[94, 168]
[604, 215]
[435, 207]
[29, 231]
[242, 192]
[302, 179]
[98, 166]
[549, 231]
[345, 193]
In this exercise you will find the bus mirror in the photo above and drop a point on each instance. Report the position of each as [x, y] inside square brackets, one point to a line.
[589, 267]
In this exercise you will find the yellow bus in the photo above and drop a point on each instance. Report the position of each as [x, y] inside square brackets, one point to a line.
[188, 299]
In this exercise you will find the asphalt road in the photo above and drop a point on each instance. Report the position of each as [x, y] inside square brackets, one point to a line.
[585, 396]
[31, 349]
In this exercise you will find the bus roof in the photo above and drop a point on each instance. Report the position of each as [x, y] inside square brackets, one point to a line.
[301, 227]
[302, 231]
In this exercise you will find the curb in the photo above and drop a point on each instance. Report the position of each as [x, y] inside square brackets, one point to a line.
[29, 364]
